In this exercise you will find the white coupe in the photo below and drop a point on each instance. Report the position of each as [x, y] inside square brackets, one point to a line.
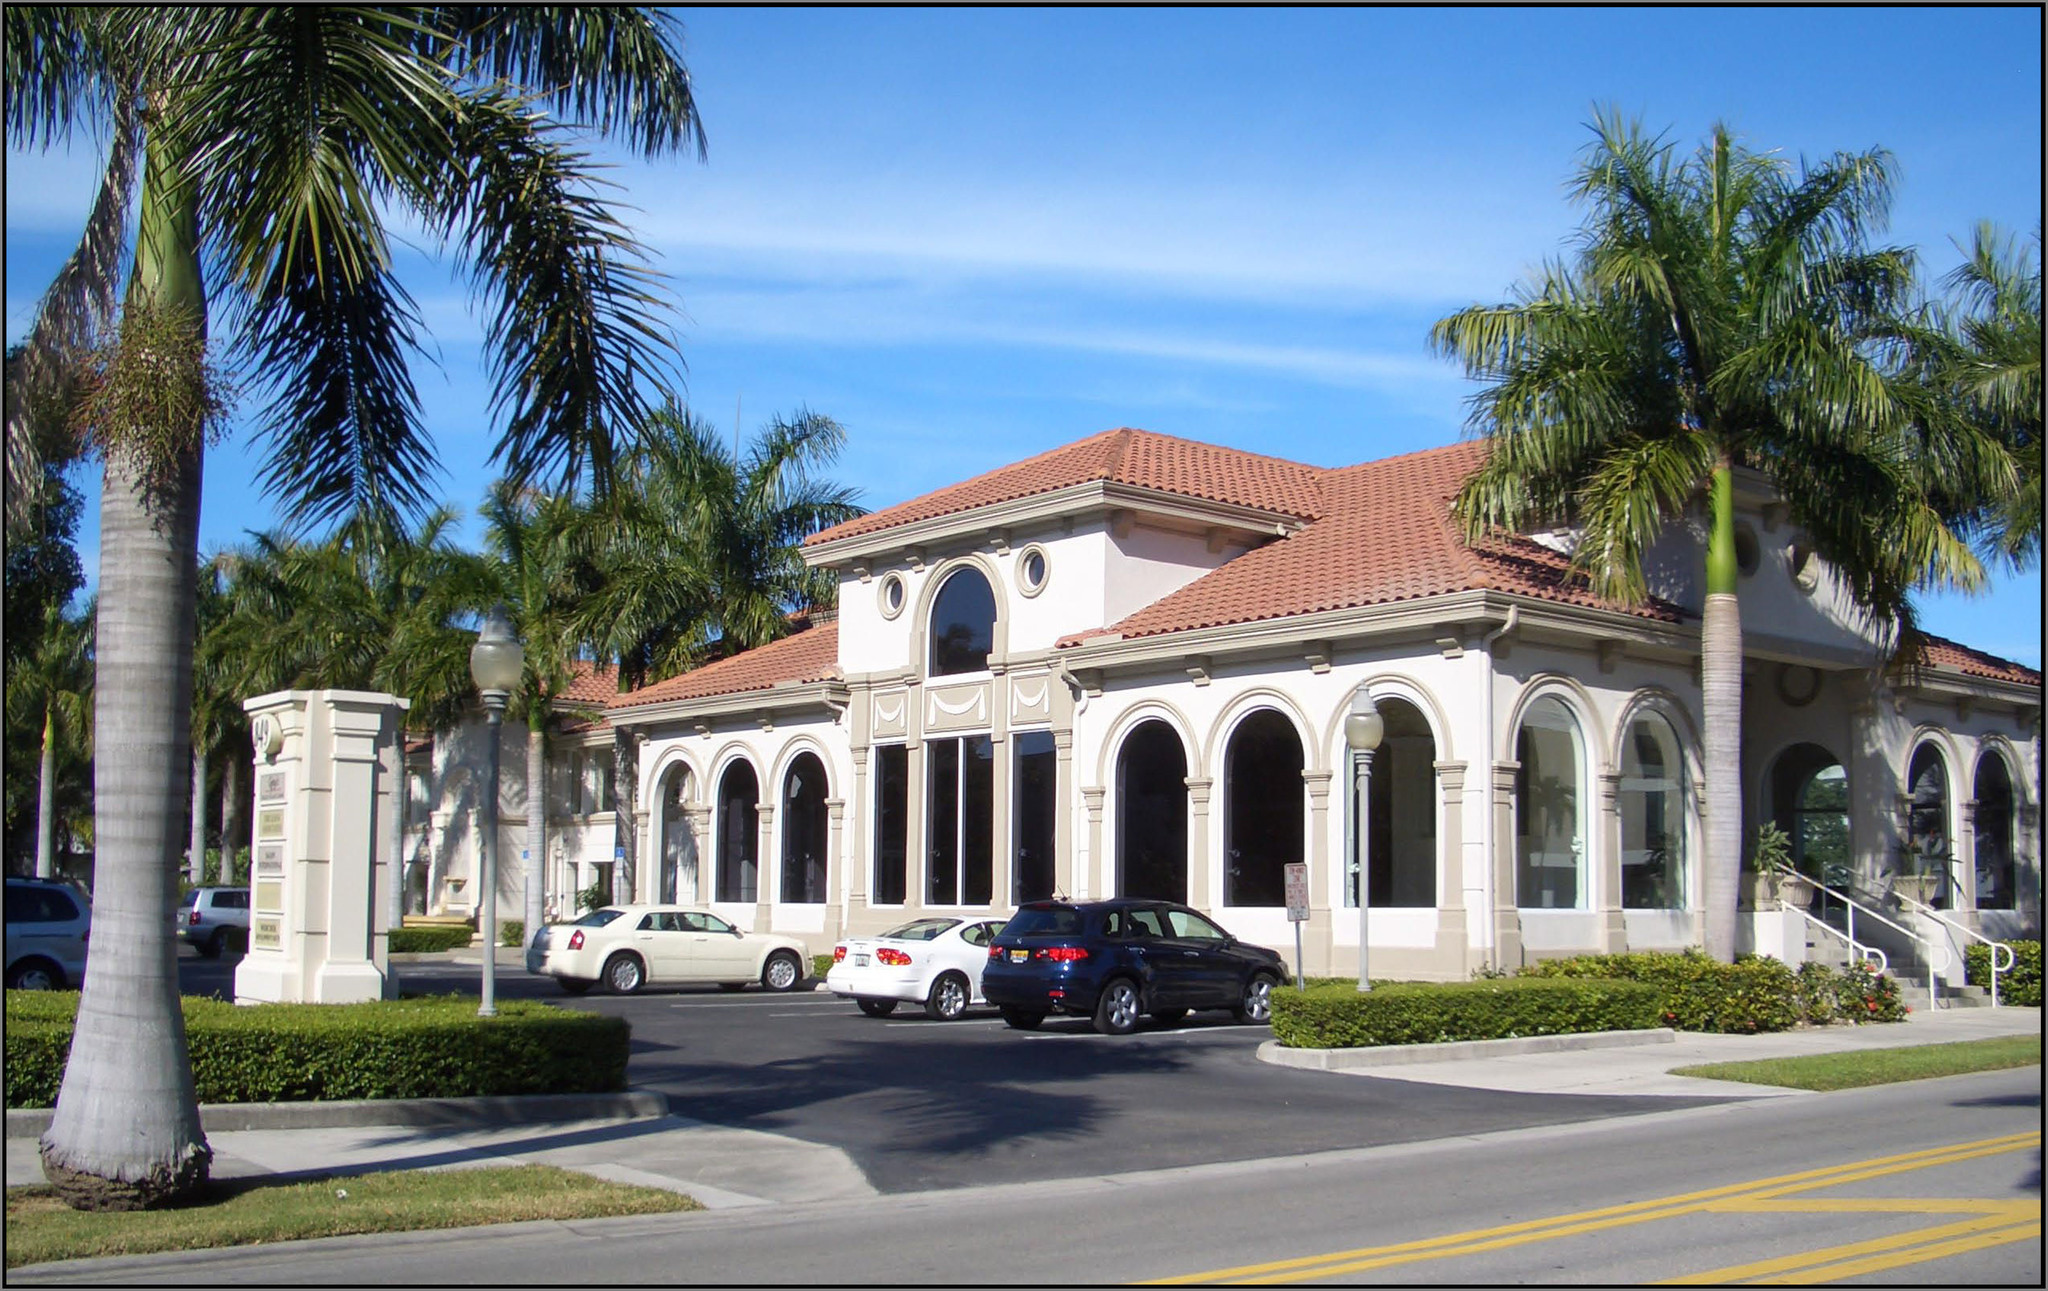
[630, 946]
[934, 962]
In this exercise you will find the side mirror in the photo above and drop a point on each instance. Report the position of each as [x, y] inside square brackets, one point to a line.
[737, 932]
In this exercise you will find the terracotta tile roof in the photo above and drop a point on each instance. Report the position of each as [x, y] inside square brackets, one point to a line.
[808, 655]
[593, 684]
[1943, 653]
[1138, 458]
[1387, 536]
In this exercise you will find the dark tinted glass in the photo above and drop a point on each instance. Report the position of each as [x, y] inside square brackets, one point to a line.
[892, 822]
[1034, 804]
[1040, 921]
[1152, 814]
[598, 918]
[805, 828]
[739, 834]
[1263, 811]
[963, 624]
[942, 822]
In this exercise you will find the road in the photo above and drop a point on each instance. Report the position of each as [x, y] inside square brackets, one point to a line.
[1936, 1183]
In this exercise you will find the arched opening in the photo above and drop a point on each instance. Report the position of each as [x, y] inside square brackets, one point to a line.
[1994, 830]
[963, 624]
[676, 873]
[1810, 803]
[1264, 805]
[1550, 835]
[1401, 852]
[1928, 851]
[805, 831]
[1152, 814]
[1652, 804]
[739, 833]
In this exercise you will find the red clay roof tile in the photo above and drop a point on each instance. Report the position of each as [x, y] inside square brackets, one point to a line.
[808, 655]
[1943, 653]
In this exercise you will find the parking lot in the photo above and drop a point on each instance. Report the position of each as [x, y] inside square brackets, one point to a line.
[920, 1104]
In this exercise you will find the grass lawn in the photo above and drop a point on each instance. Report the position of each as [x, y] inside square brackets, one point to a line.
[247, 1211]
[1824, 1071]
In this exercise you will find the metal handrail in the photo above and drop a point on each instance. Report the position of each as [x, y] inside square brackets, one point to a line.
[1853, 905]
[1870, 955]
[1997, 947]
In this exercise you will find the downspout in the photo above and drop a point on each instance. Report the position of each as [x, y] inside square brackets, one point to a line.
[1486, 840]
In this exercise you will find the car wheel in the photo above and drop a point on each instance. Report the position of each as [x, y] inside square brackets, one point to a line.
[948, 999]
[574, 985]
[623, 974]
[1116, 1013]
[876, 1008]
[1167, 1017]
[1257, 1004]
[1022, 1019]
[211, 947]
[35, 975]
[782, 972]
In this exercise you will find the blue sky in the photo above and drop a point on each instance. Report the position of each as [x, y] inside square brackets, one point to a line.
[970, 236]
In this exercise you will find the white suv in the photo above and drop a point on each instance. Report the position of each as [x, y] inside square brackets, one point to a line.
[215, 919]
[48, 921]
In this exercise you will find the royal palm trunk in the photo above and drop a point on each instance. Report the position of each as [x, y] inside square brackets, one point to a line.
[46, 800]
[535, 854]
[1721, 710]
[625, 819]
[196, 857]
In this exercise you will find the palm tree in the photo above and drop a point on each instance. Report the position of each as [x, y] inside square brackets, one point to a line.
[701, 552]
[1721, 312]
[52, 688]
[276, 141]
[1992, 363]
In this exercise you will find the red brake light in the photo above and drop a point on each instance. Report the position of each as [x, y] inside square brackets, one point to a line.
[576, 940]
[893, 957]
[1061, 954]
[193, 917]
[838, 953]
[995, 952]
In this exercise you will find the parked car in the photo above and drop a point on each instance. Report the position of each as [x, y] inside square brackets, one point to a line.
[935, 962]
[214, 919]
[1116, 960]
[630, 946]
[48, 924]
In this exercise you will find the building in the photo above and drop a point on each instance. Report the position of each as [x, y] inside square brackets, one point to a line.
[1124, 667]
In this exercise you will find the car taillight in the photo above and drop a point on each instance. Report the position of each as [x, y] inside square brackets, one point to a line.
[576, 940]
[995, 952]
[838, 954]
[193, 917]
[893, 957]
[1061, 954]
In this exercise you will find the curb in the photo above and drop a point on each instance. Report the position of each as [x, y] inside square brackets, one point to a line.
[1399, 1055]
[215, 1118]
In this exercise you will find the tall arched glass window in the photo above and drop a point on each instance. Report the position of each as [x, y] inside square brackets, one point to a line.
[1928, 850]
[1401, 854]
[1994, 834]
[1810, 802]
[1152, 814]
[739, 833]
[1550, 836]
[963, 624]
[1264, 804]
[1652, 804]
[676, 879]
[805, 830]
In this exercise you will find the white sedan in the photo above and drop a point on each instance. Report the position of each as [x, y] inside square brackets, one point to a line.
[935, 962]
[630, 946]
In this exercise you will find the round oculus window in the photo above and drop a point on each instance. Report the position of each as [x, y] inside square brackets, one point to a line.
[1031, 570]
[892, 595]
[1747, 554]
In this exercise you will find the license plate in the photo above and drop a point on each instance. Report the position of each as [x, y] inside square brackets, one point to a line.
[860, 961]
[1019, 956]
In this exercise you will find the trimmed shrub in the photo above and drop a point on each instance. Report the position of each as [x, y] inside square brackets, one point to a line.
[433, 1047]
[820, 965]
[512, 932]
[421, 941]
[2020, 984]
[1337, 1016]
[1699, 994]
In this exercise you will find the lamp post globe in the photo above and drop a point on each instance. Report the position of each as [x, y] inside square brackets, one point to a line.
[1363, 730]
[496, 663]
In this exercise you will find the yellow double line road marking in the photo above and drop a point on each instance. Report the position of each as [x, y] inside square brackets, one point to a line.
[1740, 1196]
[2000, 1223]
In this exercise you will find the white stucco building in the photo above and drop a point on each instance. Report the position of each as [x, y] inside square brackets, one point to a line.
[1124, 667]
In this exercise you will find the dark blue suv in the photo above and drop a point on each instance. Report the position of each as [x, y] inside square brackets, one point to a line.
[1115, 960]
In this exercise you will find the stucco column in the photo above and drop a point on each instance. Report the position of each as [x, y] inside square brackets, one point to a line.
[1966, 867]
[1317, 937]
[1507, 920]
[690, 886]
[916, 822]
[853, 855]
[1453, 938]
[1063, 815]
[1198, 841]
[764, 871]
[1607, 864]
[1093, 873]
[835, 808]
[1002, 861]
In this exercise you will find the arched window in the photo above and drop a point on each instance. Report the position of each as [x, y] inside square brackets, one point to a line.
[676, 879]
[1652, 816]
[1928, 851]
[805, 831]
[1152, 814]
[963, 625]
[1994, 834]
[739, 833]
[1550, 836]
[1401, 854]
[1264, 802]
[1810, 802]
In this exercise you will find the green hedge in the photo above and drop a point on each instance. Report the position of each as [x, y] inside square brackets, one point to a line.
[820, 965]
[420, 941]
[1755, 993]
[512, 932]
[2020, 984]
[433, 1047]
[1338, 1016]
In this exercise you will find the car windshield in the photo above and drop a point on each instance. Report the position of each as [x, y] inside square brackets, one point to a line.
[1058, 921]
[598, 918]
[920, 929]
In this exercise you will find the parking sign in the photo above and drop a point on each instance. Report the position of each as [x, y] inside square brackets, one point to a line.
[1297, 893]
